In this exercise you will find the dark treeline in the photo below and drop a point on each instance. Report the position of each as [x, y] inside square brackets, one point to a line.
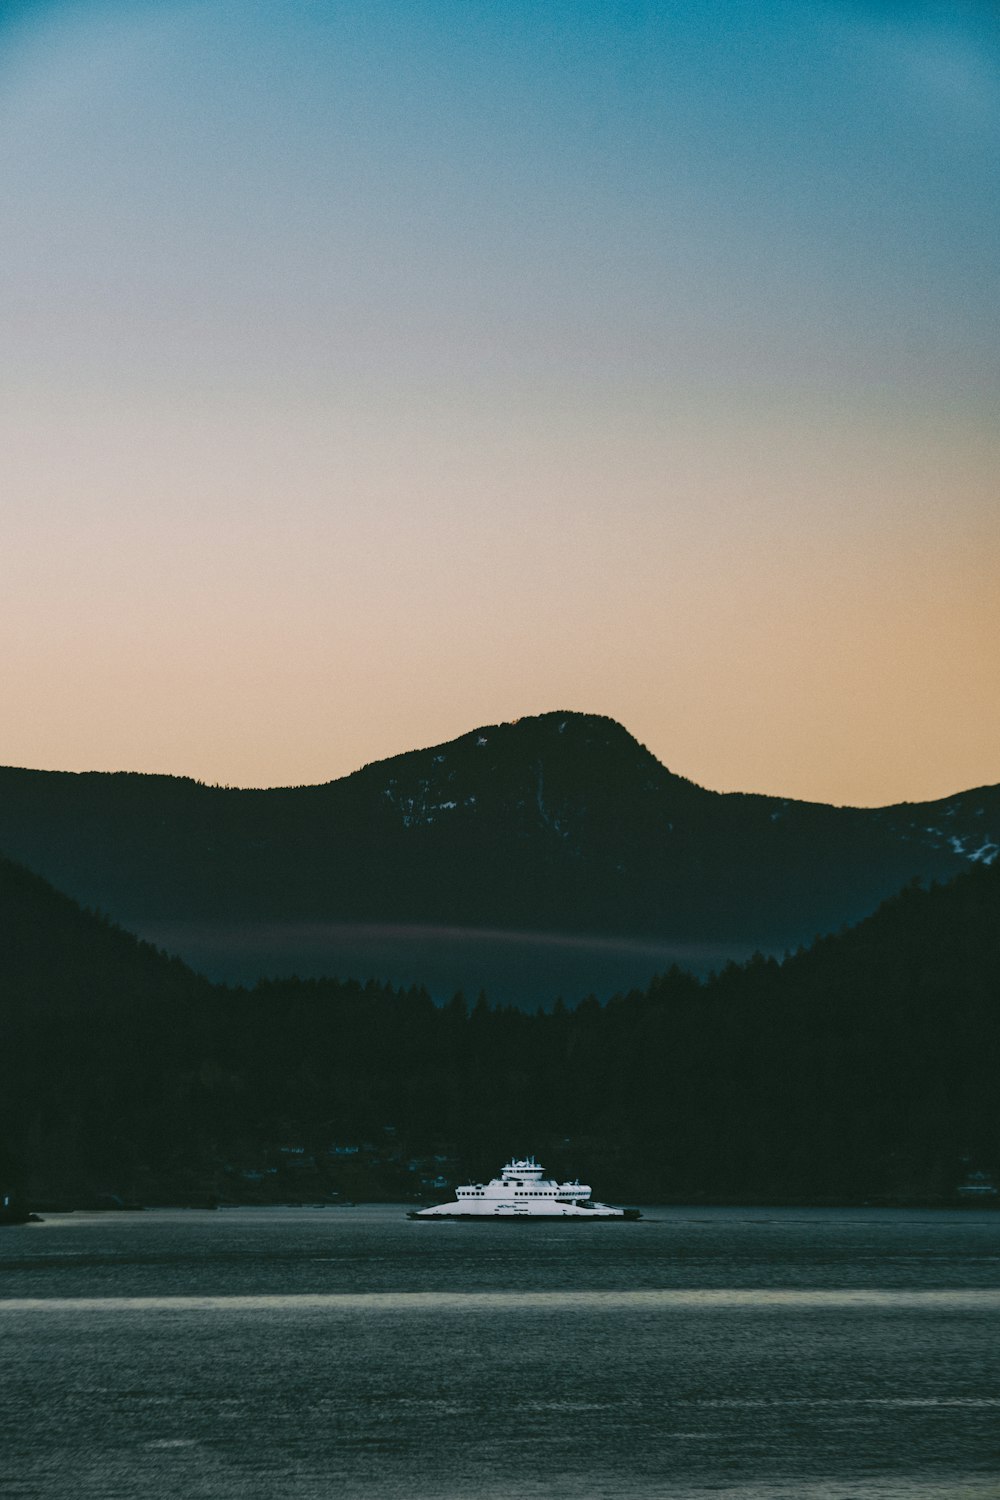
[862, 1067]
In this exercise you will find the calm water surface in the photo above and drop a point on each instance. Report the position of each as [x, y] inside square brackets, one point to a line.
[807, 1355]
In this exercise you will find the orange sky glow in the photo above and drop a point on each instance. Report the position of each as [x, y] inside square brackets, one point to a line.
[367, 383]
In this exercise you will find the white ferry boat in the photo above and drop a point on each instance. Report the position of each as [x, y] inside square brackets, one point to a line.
[522, 1191]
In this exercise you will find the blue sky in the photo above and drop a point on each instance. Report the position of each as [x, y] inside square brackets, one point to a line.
[376, 370]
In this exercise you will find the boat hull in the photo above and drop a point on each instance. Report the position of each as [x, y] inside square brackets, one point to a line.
[501, 1216]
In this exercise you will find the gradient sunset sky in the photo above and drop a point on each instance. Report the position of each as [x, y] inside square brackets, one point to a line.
[378, 369]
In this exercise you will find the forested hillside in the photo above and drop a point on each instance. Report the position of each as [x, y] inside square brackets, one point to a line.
[96, 1028]
[560, 824]
[865, 1066]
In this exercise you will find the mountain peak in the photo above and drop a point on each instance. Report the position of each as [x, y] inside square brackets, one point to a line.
[564, 775]
[562, 729]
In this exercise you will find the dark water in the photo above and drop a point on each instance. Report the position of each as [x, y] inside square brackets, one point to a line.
[347, 1352]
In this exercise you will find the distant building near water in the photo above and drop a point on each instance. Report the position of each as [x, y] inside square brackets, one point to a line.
[978, 1185]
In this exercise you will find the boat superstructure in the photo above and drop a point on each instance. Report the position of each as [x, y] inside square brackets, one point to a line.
[522, 1191]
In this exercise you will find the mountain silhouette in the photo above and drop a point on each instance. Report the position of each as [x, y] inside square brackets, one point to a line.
[560, 824]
